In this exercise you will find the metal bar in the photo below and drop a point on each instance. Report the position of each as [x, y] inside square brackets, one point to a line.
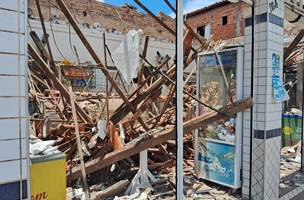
[179, 103]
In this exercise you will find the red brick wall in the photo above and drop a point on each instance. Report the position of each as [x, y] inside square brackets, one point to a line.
[214, 16]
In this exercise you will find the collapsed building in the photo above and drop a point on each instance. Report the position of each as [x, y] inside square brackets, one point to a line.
[96, 95]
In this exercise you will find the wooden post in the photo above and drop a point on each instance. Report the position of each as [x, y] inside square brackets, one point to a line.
[107, 82]
[79, 147]
[46, 37]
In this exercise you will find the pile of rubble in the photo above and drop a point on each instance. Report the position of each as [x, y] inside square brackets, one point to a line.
[102, 144]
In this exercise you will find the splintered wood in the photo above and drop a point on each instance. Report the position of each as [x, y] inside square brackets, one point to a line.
[103, 132]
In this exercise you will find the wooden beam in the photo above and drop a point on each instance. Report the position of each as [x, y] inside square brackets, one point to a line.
[107, 82]
[148, 141]
[155, 17]
[46, 37]
[293, 44]
[142, 67]
[57, 84]
[79, 146]
[123, 110]
[169, 97]
[111, 191]
[90, 49]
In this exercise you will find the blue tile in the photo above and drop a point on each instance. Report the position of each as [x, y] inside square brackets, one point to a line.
[11, 191]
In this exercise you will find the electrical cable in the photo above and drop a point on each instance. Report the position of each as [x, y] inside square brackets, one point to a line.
[71, 46]
[52, 31]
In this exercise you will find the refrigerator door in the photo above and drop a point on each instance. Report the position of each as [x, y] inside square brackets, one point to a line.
[217, 144]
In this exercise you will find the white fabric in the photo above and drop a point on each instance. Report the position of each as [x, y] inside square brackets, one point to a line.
[126, 56]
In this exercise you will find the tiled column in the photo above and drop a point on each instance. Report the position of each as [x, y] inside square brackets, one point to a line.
[13, 101]
[264, 167]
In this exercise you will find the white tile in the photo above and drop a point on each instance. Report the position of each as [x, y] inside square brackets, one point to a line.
[10, 128]
[22, 24]
[23, 65]
[9, 64]
[260, 125]
[9, 107]
[24, 148]
[247, 56]
[10, 171]
[246, 116]
[260, 27]
[9, 150]
[245, 190]
[12, 23]
[248, 30]
[22, 45]
[9, 42]
[12, 85]
[9, 4]
[260, 116]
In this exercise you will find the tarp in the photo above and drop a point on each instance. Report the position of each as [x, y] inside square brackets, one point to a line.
[126, 56]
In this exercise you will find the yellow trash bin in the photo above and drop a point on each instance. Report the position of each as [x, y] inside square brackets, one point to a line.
[48, 177]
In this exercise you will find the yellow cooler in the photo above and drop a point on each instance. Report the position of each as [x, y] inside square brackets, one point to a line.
[48, 177]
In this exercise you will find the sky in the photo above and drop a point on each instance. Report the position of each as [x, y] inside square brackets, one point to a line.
[158, 5]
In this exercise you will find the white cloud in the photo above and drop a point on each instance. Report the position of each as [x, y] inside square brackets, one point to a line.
[101, 1]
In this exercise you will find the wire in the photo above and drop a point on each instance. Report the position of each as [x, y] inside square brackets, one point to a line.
[53, 35]
[71, 46]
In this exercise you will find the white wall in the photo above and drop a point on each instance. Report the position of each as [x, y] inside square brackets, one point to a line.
[13, 100]
[66, 38]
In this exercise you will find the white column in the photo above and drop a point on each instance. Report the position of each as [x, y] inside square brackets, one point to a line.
[180, 103]
[261, 161]
[13, 100]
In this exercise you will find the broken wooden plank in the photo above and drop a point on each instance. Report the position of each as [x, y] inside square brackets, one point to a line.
[141, 144]
[111, 191]
[57, 84]
[79, 146]
[90, 49]
[123, 110]
[46, 38]
[293, 44]
[107, 81]
[155, 17]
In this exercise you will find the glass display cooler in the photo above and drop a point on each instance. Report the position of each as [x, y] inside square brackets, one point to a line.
[218, 150]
